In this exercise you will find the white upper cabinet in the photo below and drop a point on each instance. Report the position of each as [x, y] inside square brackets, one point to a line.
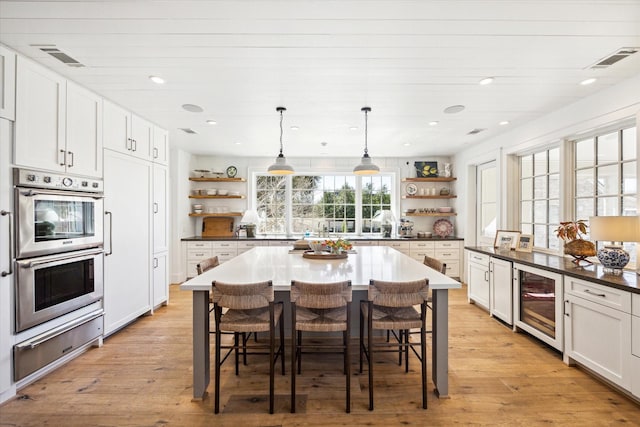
[84, 131]
[40, 117]
[58, 123]
[127, 133]
[160, 146]
[7, 84]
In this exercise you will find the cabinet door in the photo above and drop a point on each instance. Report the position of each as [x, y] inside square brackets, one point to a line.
[501, 286]
[160, 279]
[142, 137]
[84, 132]
[116, 128]
[599, 338]
[160, 146]
[160, 210]
[478, 286]
[7, 84]
[127, 282]
[40, 117]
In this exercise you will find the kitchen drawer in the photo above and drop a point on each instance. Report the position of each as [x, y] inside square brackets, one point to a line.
[251, 244]
[422, 246]
[199, 245]
[364, 242]
[453, 268]
[226, 255]
[447, 254]
[225, 245]
[401, 246]
[635, 304]
[288, 243]
[604, 295]
[419, 255]
[478, 258]
[447, 245]
[198, 254]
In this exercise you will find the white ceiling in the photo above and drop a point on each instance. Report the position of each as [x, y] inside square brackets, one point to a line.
[324, 60]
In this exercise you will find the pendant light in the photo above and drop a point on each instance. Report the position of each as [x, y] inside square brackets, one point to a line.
[280, 167]
[366, 166]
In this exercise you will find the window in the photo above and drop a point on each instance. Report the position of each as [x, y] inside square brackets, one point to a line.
[605, 176]
[540, 196]
[487, 203]
[321, 203]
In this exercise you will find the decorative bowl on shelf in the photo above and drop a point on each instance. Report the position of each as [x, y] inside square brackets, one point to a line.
[445, 209]
[410, 211]
[211, 191]
[223, 192]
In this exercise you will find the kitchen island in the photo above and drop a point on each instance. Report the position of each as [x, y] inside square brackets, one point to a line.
[281, 267]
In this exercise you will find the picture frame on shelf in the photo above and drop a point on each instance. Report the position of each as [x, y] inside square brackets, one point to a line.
[525, 243]
[506, 240]
[426, 169]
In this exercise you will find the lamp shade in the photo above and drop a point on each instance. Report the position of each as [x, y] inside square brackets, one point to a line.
[250, 217]
[280, 167]
[366, 167]
[614, 228]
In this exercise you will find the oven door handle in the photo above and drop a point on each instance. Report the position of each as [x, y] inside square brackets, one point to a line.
[7, 273]
[110, 233]
[33, 192]
[39, 339]
[72, 255]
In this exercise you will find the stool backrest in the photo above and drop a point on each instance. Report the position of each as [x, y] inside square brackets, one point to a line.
[207, 264]
[435, 264]
[398, 294]
[321, 295]
[243, 296]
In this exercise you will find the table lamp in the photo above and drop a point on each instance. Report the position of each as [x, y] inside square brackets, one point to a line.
[250, 219]
[614, 229]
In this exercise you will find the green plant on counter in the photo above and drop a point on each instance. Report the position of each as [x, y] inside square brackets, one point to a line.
[571, 230]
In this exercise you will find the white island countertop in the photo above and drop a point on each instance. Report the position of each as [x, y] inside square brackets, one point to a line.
[280, 266]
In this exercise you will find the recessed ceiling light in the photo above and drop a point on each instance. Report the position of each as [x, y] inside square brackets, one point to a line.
[454, 109]
[238, 143]
[192, 108]
[504, 123]
[212, 122]
[433, 123]
[353, 128]
[486, 81]
[157, 80]
[295, 128]
[406, 144]
[588, 81]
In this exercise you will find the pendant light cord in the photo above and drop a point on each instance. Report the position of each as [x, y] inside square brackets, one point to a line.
[281, 132]
[366, 131]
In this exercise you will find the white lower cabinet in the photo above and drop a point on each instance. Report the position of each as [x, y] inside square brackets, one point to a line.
[160, 279]
[225, 250]
[501, 289]
[635, 344]
[419, 249]
[128, 224]
[478, 278]
[247, 245]
[597, 322]
[200, 250]
[449, 253]
[404, 247]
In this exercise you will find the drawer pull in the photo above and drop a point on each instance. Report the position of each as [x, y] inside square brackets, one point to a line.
[588, 291]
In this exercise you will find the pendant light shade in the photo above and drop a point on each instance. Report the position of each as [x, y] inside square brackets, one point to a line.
[366, 166]
[280, 167]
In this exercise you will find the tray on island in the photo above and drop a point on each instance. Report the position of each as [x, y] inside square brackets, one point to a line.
[324, 255]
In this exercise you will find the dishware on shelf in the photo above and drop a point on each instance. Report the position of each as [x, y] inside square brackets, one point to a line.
[211, 191]
[411, 189]
[201, 173]
[443, 228]
[445, 209]
[223, 192]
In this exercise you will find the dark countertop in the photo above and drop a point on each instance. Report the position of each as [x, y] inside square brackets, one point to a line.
[627, 281]
[350, 238]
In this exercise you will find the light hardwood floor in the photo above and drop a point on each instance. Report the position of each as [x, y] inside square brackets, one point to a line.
[142, 377]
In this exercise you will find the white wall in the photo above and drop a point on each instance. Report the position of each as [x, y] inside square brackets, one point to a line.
[599, 110]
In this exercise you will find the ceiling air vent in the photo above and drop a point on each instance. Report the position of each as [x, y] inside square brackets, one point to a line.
[615, 57]
[188, 130]
[61, 56]
[475, 131]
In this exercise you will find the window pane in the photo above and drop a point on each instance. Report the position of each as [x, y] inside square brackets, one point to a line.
[554, 212]
[540, 187]
[607, 206]
[527, 228]
[540, 211]
[540, 163]
[629, 181]
[608, 180]
[554, 160]
[540, 236]
[554, 186]
[526, 189]
[584, 153]
[489, 185]
[554, 243]
[526, 166]
[526, 214]
[629, 206]
[629, 144]
[488, 219]
[584, 208]
[608, 148]
[585, 183]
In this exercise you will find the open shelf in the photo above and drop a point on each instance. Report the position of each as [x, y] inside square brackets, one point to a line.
[434, 179]
[450, 196]
[216, 197]
[431, 214]
[217, 179]
[221, 215]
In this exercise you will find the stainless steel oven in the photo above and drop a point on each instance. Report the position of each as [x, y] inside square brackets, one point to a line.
[53, 285]
[56, 213]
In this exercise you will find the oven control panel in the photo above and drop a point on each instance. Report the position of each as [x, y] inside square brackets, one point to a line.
[39, 179]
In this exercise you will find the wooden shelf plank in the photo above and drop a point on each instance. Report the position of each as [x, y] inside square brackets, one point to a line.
[219, 215]
[217, 179]
[216, 197]
[430, 197]
[434, 179]
[431, 214]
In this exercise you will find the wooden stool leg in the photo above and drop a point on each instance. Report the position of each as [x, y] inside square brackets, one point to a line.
[370, 354]
[293, 358]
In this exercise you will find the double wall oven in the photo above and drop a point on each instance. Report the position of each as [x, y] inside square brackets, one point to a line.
[59, 265]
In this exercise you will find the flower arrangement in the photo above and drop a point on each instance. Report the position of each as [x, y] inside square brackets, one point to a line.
[339, 245]
[571, 230]
[579, 248]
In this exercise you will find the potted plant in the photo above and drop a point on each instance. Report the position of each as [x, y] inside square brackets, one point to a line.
[571, 233]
